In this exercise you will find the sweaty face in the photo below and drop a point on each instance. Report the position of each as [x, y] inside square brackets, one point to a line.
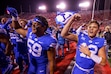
[23, 24]
[36, 27]
[92, 30]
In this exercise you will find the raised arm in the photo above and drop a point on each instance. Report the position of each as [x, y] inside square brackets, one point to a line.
[18, 28]
[13, 12]
[65, 32]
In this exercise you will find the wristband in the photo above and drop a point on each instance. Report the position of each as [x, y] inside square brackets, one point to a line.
[96, 58]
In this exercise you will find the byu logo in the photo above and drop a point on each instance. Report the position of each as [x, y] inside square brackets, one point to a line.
[63, 17]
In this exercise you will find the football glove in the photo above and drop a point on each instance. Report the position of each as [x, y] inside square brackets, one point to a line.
[12, 11]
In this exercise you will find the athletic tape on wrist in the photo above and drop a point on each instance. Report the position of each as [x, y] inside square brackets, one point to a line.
[95, 58]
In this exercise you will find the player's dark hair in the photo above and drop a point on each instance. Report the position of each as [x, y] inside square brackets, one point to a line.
[43, 20]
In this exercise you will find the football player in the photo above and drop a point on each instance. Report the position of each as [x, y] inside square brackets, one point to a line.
[90, 49]
[5, 51]
[40, 44]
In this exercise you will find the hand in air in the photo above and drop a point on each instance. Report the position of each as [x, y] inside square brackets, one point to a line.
[76, 17]
[12, 11]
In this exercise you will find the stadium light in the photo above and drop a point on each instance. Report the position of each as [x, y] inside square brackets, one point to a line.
[43, 7]
[84, 4]
[62, 6]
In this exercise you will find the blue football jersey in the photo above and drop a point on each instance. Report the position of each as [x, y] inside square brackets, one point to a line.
[38, 46]
[13, 36]
[94, 45]
[3, 60]
[21, 43]
[2, 46]
[60, 39]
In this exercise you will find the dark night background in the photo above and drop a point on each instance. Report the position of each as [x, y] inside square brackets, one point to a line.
[51, 4]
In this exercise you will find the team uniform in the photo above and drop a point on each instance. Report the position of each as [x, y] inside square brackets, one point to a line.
[5, 64]
[3, 61]
[84, 64]
[13, 37]
[22, 52]
[6, 26]
[20, 49]
[60, 43]
[38, 47]
[49, 30]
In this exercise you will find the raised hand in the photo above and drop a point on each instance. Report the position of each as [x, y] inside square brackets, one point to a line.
[12, 11]
[76, 17]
